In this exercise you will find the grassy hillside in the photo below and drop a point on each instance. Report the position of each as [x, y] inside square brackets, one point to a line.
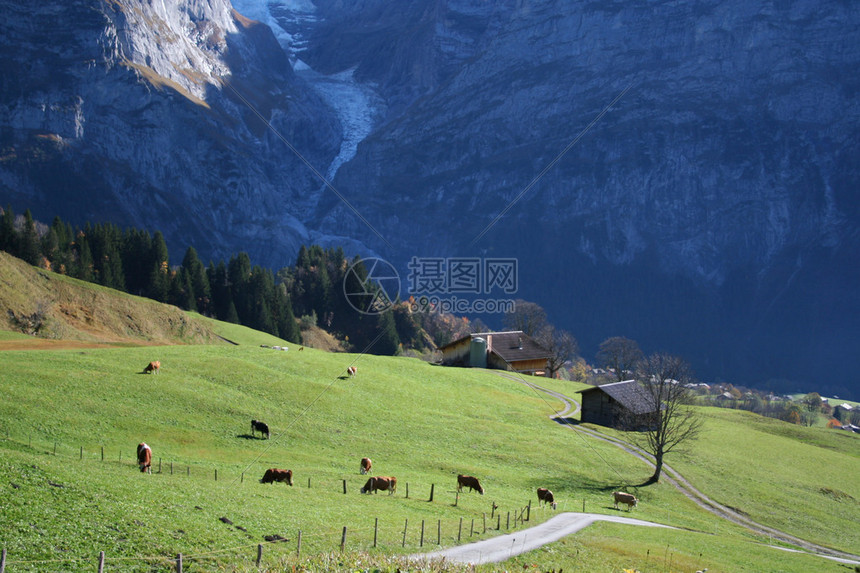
[71, 416]
[421, 423]
[54, 307]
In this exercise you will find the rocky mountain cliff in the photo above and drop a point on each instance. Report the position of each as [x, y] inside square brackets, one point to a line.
[709, 211]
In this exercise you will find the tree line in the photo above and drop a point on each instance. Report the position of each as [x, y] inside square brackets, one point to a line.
[237, 291]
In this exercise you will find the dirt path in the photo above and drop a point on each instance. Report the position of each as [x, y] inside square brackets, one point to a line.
[506, 546]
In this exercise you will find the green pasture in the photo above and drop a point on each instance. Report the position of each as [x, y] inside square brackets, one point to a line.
[70, 421]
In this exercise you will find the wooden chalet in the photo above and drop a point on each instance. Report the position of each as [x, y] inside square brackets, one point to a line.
[512, 350]
[615, 405]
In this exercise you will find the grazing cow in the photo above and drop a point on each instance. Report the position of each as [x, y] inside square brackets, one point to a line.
[144, 458]
[351, 370]
[365, 466]
[259, 427]
[628, 498]
[152, 367]
[301, 348]
[377, 483]
[545, 495]
[470, 482]
[272, 475]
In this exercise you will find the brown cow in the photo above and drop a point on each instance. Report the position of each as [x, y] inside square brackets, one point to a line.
[470, 482]
[545, 495]
[377, 483]
[152, 367]
[628, 498]
[272, 475]
[365, 466]
[144, 458]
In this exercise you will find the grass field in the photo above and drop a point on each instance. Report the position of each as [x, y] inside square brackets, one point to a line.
[419, 422]
[75, 404]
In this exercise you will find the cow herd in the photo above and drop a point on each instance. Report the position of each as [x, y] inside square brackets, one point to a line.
[373, 484]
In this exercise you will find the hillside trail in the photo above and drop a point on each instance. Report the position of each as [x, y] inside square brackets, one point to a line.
[503, 547]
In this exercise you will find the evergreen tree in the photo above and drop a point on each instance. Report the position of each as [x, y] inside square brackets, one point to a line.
[389, 343]
[158, 283]
[8, 235]
[28, 241]
[138, 257]
[198, 279]
[83, 266]
[221, 294]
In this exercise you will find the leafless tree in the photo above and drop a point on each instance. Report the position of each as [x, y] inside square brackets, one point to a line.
[561, 345]
[527, 316]
[620, 354]
[674, 422]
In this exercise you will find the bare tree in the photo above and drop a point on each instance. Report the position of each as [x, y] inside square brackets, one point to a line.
[527, 316]
[620, 354]
[561, 345]
[673, 422]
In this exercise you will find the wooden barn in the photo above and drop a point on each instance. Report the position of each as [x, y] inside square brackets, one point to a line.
[512, 350]
[615, 405]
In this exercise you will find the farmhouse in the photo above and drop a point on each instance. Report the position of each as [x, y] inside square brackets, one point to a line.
[512, 350]
[612, 404]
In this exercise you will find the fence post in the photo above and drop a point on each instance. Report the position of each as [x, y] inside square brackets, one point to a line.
[159, 465]
[101, 561]
[485, 521]
[407, 490]
[508, 522]
[171, 468]
[529, 511]
[216, 474]
[82, 452]
[55, 448]
[343, 539]
[499, 522]
[460, 531]
[242, 479]
[344, 487]
[375, 529]
[309, 483]
[421, 542]
[456, 499]
[472, 529]
[583, 505]
[103, 453]
[179, 563]
[405, 525]
[299, 544]
[432, 487]
[259, 554]
[3, 557]
[439, 532]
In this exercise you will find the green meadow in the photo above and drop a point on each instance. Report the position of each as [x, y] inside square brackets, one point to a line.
[70, 421]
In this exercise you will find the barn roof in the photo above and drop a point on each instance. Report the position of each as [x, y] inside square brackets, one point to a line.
[628, 393]
[510, 346]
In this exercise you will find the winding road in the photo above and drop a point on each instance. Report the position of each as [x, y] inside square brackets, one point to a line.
[503, 547]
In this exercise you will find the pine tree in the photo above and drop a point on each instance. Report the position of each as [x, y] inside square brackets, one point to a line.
[199, 280]
[8, 235]
[389, 343]
[28, 241]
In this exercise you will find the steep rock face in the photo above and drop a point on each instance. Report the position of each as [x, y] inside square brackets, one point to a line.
[710, 212]
[154, 114]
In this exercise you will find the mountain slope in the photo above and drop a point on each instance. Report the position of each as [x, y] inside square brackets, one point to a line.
[711, 211]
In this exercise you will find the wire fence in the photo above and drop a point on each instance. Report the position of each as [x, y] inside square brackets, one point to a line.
[410, 535]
